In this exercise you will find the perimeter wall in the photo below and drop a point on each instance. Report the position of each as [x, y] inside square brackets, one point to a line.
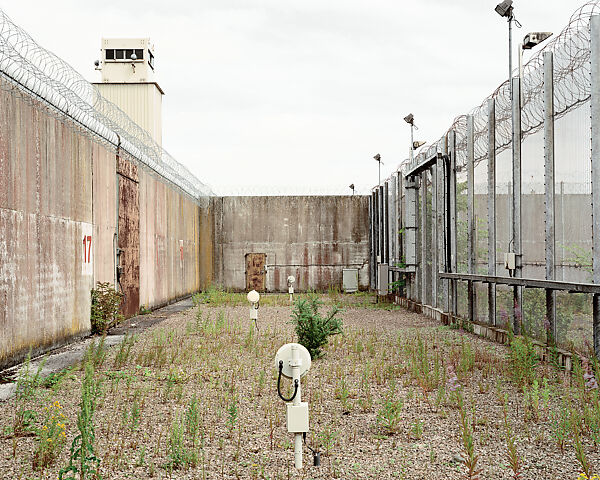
[312, 238]
[68, 206]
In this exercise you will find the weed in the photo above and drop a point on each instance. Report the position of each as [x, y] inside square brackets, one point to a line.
[417, 430]
[83, 459]
[389, 415]
[26, 391]
[524, 360]
[313, 330]
[180, 456]
[106, 302]
[468, 445]
[51, 437]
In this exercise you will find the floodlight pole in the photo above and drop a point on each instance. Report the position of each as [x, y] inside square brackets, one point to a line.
[510, 22]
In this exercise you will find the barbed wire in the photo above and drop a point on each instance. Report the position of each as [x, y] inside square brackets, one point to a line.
[572, 88]
[288, 190]
[39, 73]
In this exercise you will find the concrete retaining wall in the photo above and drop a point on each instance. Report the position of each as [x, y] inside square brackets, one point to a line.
[311, 237]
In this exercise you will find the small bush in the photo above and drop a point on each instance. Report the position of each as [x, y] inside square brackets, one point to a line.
[106, 302]
[312, 329]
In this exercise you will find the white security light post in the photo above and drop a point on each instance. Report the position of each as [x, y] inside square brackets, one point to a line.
[293, 361]
[254, 298]
[291, 280]
[531, 40]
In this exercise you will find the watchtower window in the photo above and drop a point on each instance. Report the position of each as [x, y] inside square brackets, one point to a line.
[124, 54]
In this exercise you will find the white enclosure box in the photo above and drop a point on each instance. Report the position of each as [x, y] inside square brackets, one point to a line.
[382, 279]
[297, 417]
[509, 261]
[350, 280]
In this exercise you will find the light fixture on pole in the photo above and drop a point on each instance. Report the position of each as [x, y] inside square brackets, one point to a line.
[410, 119]
[377, 157]
[505, 9]
[352, 188]
[530, 40]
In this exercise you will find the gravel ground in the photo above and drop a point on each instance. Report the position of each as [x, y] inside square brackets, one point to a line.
[208, 353]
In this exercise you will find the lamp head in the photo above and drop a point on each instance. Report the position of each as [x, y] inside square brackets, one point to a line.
[377, 157]
[253, 296]
[410, 119]
[535, 38]
[417, 144]
[291, 280]
[504, 9]
[351, 186]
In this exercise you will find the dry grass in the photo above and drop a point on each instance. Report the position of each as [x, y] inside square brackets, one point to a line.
[195, 397]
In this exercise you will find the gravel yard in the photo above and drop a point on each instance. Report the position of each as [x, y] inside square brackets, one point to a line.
[395, 396]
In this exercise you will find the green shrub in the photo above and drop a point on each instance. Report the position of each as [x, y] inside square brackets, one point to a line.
[106, 302]
[312, 329]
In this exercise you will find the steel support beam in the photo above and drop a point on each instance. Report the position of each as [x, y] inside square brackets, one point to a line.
[424, 245]
[453, 294]
[549, 191]
[595, 107]
[386, 223]
[516, 202]
[442, 223]
[471, 215]
[434, 236]
[491, 208]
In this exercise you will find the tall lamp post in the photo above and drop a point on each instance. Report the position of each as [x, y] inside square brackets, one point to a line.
[377, 157]
[505, 9]
[410, 119]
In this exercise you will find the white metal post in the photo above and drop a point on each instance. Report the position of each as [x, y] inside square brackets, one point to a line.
[296, 363]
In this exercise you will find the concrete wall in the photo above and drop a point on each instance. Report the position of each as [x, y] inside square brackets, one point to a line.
[312, 238]
[45, 212]
[61, 219]
[174, 250]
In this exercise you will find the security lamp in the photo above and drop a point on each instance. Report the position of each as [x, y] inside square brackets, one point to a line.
[535, 38]
[505, 8]
[409, 119]
[416, 144]
[351, 186]
[253, 297]
[377, 157]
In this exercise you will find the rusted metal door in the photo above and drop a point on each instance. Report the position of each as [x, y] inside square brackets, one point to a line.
[129, 236]
[255, 271]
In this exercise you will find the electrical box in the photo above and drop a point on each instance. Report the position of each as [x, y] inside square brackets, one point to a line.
[509, 261]
[350, 279]
[383, 279]
[297, 417]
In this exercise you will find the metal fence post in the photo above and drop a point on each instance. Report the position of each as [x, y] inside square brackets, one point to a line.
[371, 223]
[471, 214]
[549, 191]
[491, 208]
[516, 202]
[424, 245]
[434, 236]
[442, 247]
[595, 107]
[453, 234]
[386, 223]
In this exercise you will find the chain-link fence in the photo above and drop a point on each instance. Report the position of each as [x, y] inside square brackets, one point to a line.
[529, 202]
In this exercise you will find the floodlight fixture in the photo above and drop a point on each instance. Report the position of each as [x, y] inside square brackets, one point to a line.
[417, 143]
[505, 9]
[377, 157]
[410, 118]
[535, 38]
[352, 188]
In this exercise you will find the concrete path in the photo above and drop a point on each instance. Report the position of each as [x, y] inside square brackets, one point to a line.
[68, 355]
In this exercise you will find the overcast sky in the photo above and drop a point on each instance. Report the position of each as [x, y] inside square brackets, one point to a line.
[299, 93]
